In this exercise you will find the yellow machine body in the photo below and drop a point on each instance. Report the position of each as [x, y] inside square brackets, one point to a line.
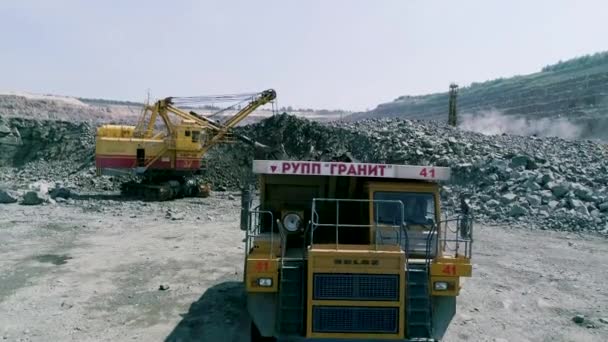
[118, 149]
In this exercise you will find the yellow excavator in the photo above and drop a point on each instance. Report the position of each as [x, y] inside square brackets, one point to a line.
[166, 155]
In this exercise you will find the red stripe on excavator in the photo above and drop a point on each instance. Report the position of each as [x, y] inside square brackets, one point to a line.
[120, 162]
[129, 163]
[188, 164]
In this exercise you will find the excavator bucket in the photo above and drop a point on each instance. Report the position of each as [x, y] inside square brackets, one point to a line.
[204, 190]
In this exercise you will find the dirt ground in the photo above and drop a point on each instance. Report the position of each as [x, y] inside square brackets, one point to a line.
[91, 271]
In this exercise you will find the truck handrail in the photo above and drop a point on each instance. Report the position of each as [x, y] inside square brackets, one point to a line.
[458, 236]
[315, 223]
[255, 226]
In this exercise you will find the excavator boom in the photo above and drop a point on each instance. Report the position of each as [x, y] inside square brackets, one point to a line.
[262, 99]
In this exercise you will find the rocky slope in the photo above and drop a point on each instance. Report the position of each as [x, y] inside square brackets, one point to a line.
[575, 90]
[23, 140]
[99, 111]
[50, 151]
[67, 109]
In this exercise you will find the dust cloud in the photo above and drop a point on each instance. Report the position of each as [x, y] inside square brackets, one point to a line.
[494, 123]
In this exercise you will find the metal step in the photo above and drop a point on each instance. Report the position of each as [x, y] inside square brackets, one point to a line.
[418, 301]
[291, 298]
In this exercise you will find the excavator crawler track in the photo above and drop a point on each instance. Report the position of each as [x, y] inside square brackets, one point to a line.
[149, 192]
[164, 191]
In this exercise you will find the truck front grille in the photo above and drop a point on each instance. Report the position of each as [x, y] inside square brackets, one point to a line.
[380, 287]
[344, 319]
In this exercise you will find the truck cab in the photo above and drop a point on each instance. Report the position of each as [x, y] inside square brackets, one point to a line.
[351, 251]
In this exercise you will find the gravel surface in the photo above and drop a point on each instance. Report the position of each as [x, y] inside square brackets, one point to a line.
[91, 269]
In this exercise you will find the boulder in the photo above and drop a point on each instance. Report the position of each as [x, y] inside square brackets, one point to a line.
[531, 184]
[499, 165]
[547, 178]
[603, 206]
[60, 192]
[4, 129]
[575, 203]
[582, 210]
[518, 210]
[492, 203]
[546, 196]
[553, 204]
[559, 189]
[578, 206]
[520, 160]
[8, 196]
[174, 215]
[582, 192]
[533, 200]
[508, 198]
[484, 198]
[578, 319]
[34, 198]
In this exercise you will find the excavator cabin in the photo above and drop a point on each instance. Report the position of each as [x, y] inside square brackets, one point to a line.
[351, 251]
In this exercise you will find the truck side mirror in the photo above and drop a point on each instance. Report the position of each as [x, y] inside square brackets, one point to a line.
[466, 226]
[466, 218]
[245, 207]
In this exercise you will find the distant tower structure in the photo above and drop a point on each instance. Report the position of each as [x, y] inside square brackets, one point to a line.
[452, 110]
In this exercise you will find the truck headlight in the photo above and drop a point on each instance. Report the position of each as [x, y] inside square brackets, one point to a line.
[265, 282]
[441, 286]
[291, 222]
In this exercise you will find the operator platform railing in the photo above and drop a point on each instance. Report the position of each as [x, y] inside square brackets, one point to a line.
[457, 236]
[416, 243]
[419, 240]
[254, 229]
[380, 229]
[449, 237]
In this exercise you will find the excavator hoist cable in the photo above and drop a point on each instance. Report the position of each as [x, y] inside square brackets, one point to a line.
[234, 101]
[194, 101]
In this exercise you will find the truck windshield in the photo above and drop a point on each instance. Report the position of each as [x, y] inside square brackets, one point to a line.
[418, 207]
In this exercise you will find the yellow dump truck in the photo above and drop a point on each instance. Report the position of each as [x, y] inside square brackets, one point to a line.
[351, 252]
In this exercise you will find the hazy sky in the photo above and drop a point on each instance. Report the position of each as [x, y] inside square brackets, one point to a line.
[321, 54]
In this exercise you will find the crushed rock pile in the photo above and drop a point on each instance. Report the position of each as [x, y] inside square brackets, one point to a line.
[550, 183]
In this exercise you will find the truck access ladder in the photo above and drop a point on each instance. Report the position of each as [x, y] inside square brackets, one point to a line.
[291, 298]
[418, 304]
